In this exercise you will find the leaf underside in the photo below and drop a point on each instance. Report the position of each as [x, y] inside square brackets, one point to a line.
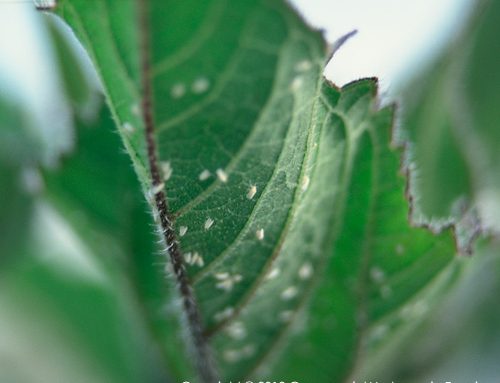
[286, 185]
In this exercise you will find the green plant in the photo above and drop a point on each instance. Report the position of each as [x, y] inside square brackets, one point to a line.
[286, 251]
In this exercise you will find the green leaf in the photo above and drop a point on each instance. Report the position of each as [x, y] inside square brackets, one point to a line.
[73, 73]
[18, 178]
[22, 144]
[283, 185]
[15, 215]
[458, 341]
[451, 123]
[36, 133]
[85, 322]
[86, 189]
[66, 269]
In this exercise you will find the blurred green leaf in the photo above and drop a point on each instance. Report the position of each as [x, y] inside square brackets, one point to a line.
[451, 120]
[18, 145]
[14, 215]
[18, 178]
[466, 324]
[66, 271]
[98, 192]
[71, 68]
[450, 123]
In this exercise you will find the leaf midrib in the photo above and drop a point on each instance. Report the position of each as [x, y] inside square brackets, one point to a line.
[250, 292]
[280, 338]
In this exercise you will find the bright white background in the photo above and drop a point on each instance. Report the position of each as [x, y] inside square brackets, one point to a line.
[395, 38]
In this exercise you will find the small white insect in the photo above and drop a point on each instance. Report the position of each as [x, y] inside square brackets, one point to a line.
[296, 83]
[128, 127]
[224, 314]
[289, 293]
[237, 277]
[200, 85]
[194, 259]
[222, 175]
[305, 183]
[252, 191]
[226, 285]
[157, 188]
[166, 170]
[178, 90]
[274, 273]
[232, 356]
[237, 331]
[204, 175]
[306, 271]
[260, 234]
[188, 258]
[197, 259]
[208, 223]
[135, 109]
[183, 230]
[377, 274]
[303, 66]
[228, 281]
[221, 276]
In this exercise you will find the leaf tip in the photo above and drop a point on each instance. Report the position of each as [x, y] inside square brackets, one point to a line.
[337, 44]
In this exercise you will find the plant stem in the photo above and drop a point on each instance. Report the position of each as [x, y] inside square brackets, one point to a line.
[204, 361]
